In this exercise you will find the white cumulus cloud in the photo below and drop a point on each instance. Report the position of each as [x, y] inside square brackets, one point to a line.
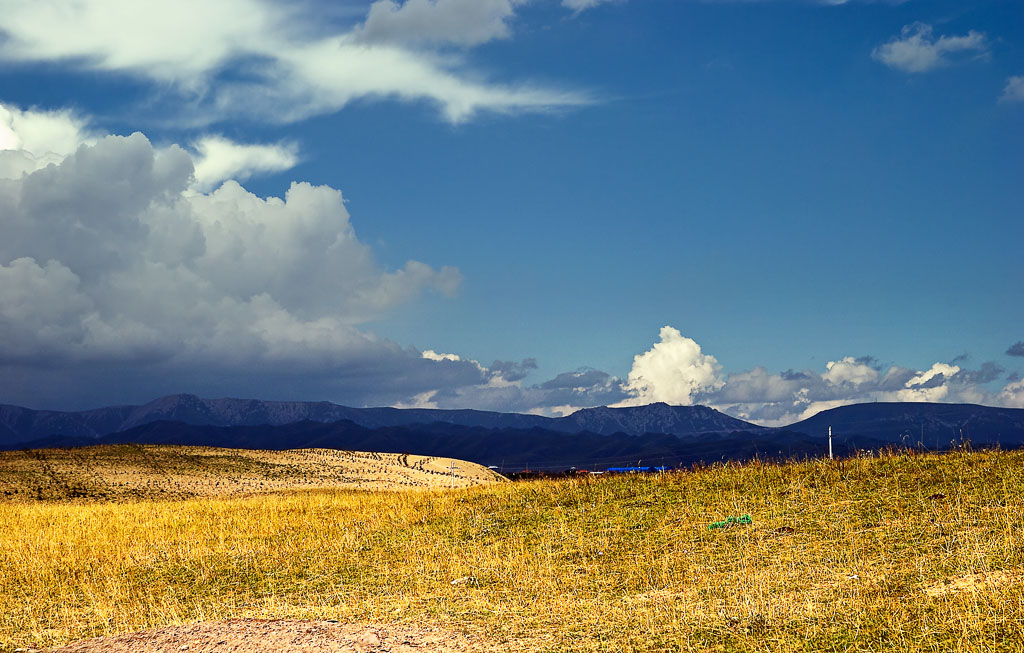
[30, 139]
[42, 132]
[430, 354]
[917, 50]
[849, 370]
[674, 371]
[936, 371]
[1012, 396]
[219, 159]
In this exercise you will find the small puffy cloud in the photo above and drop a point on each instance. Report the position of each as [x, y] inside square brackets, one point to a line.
[578, 6]
[432, 355]
[916, 50]
[674, 371]
[1014, 89]
[850, 371]
[1012, 396]
[930, 385]
[1016, 349]
[42, 132]
[933, 376]
[219, 159]
[30, 140]
[456, 22]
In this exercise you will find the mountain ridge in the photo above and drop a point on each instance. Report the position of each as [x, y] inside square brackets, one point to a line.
[510, 450]
[928, 425]
[865, 425]
[19, 424]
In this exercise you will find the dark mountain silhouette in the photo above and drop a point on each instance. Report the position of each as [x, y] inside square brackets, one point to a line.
[930, 426]
[652, 418]
[18, 424]
[657, 432]
[22, 424]
[508, 449]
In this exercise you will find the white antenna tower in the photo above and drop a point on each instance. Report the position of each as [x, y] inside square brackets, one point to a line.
[830, 443]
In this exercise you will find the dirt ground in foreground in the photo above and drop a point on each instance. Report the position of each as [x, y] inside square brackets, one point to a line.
[250, 635]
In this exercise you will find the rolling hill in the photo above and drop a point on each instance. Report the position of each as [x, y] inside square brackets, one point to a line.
[134, 471]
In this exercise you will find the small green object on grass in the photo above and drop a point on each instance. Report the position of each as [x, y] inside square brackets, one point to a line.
[731, 521]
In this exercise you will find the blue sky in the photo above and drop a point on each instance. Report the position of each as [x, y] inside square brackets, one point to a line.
[821, 200]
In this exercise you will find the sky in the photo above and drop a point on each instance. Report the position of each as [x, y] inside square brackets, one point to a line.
[771, 207]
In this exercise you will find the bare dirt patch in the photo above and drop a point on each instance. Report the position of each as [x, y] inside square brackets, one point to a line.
[250, 635]
[982, 581]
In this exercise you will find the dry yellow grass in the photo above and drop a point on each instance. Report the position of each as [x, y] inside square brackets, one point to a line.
[841, 556]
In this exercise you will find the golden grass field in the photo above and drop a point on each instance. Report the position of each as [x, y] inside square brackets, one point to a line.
[899, 552]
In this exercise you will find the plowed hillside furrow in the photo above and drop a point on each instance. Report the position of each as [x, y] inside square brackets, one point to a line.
[117, 472]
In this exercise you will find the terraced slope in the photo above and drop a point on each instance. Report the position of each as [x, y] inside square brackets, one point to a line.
[115, 472]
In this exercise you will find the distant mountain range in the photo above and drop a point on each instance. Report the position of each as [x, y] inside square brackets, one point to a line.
[924, 425]
[592, 437]
[23, 424]
[510, 450]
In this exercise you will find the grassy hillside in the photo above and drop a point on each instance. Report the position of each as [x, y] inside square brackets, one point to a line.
[894, 553]
[130, 471]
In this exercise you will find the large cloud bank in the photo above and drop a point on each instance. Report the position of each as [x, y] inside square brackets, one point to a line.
[112, 262]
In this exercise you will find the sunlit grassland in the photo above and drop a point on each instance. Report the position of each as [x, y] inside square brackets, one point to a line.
[875, 560]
